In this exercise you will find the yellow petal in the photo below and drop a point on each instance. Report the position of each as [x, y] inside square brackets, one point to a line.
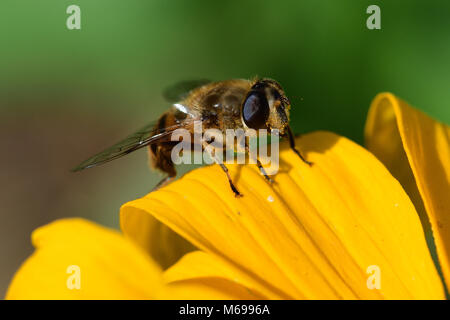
[416, 149]
[207, 288]
[200, 265]
[106, 265]
[313, 234]
[159, 241]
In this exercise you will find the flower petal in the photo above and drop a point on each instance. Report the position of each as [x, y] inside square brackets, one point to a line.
[313, 234]
[200, 265]
[209, 288]
[158, 240]
[416, 150]
[110, 267]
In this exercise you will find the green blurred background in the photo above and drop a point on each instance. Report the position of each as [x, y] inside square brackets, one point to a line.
[66, 94]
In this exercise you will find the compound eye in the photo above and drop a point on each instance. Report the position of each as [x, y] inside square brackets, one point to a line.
[255, 111]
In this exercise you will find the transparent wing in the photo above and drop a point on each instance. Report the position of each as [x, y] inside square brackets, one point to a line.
[180, 90]
[141, 138]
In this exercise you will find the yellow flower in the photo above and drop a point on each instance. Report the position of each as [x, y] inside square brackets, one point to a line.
[318, 233]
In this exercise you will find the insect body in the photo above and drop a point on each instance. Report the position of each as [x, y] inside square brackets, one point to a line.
[232, 104]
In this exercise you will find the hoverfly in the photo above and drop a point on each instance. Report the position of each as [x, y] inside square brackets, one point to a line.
[232, 104]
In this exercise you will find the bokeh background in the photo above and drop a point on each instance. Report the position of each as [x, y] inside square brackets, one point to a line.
[66, 94]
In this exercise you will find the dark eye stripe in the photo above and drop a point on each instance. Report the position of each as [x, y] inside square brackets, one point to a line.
[282, 114]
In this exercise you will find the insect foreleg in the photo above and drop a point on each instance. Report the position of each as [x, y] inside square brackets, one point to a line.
[258, 163]
[263, 171]
[165, 181]
[292, 144]
[224, 168]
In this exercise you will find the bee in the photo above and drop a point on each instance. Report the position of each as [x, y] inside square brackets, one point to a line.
[231, 104]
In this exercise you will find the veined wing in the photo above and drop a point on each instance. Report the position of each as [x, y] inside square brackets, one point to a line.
[141, 138]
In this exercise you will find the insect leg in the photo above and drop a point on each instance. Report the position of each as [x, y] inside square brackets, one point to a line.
[225, 169]
[260, 167]
[263, 171]
[165, 181]
[235, 190]
[292, 144]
